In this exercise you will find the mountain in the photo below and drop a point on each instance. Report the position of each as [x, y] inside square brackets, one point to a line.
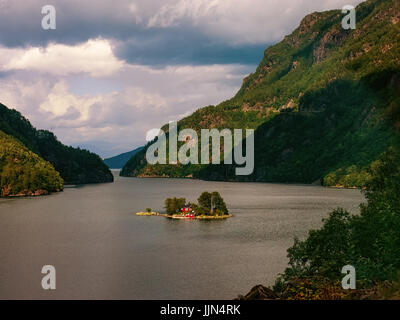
[119, 161]
[324, 103]
[75, 166]
[23, 172]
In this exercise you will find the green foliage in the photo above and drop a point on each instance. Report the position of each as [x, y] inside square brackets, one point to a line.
[212, 204]
[75, 166]
[369, 241]
[201, 211]
[23, 172]
[325, 251]
[352, 176]
[337, 129]
[324, 103]
[174, 205]
[218, 204]
[148, 210]
[205, 200]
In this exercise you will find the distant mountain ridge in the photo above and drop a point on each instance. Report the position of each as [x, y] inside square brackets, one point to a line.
[324, 103]
[120, 160]
[75, 166]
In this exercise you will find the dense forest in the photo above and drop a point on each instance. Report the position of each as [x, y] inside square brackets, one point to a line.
[22, 172]
[75, 166]
[324, 103]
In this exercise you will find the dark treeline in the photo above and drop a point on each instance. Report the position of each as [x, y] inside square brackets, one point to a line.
[76, 166]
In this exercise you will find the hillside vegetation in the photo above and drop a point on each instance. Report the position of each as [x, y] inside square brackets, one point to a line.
[76, 166]
[22, 172]
[369, 242]
[324, 103]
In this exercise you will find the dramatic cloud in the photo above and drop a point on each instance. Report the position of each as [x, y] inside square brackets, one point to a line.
[94, 57]
[112, 114]
[163, 31]
[112, 70]
[238, 21]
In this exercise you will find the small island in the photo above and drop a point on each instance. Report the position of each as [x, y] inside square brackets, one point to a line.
[211, 206]
[148, 213]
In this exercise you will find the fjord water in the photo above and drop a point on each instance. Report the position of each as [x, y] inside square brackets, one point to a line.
[101, 250]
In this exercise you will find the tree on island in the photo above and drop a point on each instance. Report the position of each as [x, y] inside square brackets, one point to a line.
[218, 206]
[212, 204]
[205, 201]
[174, 205]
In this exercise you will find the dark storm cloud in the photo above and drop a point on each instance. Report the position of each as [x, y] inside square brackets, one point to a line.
[178, 46]
[20, 22]
[136, 43]
[161, 32]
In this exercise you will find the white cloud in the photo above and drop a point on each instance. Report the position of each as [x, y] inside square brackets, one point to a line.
[116, 121]
[94, 57]
[60, 101]
[239, 21]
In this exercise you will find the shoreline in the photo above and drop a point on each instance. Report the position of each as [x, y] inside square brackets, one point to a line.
[236, 181]
[31, 194]
[182, 217]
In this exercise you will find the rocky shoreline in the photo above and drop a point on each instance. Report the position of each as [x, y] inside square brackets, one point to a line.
[324, 289]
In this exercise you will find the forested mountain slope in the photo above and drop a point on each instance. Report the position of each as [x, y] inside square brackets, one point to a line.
[75, 166]
[22, 172]
[324, 103]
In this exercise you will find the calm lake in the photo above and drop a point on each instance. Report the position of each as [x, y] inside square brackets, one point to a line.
[101, 250]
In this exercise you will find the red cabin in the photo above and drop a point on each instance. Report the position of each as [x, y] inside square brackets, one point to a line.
[188, 210]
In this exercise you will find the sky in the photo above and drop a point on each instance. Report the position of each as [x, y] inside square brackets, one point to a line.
[112, 70]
